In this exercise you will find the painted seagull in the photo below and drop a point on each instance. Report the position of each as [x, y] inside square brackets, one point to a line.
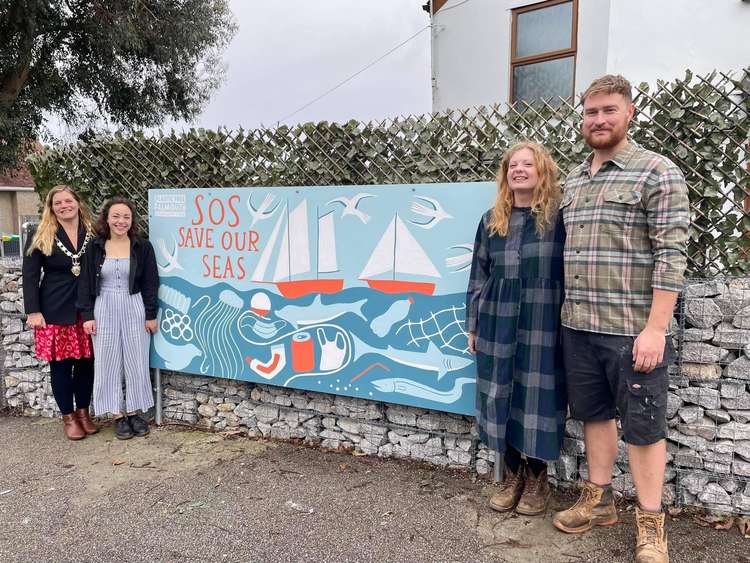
[461, 261]
[263, 211]
[350, 206]
[436, 213]
[171, 258]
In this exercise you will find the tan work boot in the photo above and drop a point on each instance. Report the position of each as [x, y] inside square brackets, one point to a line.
[510, 491]
[652, 537]
[595, 507]
[536, 494]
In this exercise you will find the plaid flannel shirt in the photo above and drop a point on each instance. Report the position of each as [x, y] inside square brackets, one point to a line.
[627, 233]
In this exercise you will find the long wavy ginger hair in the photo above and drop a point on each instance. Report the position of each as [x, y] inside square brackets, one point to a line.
[545, 200]
[44, 238]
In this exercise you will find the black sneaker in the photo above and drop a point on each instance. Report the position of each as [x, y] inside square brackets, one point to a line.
[123, 430]
[139, 426]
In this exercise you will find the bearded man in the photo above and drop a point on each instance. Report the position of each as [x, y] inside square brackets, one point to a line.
[626, 216]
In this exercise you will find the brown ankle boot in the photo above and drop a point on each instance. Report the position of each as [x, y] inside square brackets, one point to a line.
[510, 491]
[651, 545]
[84, 419]
[536, 494]
[72, 428]
[595, 507]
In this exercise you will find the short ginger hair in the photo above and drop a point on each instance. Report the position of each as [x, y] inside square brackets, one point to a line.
[610, 84]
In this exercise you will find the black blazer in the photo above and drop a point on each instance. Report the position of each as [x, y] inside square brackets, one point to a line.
[53, 294]
[143, 276]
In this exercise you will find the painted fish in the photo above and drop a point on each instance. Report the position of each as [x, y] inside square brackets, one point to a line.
[433, 359]
[416, 389]
[316, 312]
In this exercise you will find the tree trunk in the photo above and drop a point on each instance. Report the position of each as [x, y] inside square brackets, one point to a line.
[12, 81]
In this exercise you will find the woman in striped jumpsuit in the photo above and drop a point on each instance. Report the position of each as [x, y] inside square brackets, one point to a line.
[118, 301]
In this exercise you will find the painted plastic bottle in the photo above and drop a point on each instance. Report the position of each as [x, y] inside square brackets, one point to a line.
[382, 324]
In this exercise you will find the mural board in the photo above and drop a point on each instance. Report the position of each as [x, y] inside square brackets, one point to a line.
[350, 290]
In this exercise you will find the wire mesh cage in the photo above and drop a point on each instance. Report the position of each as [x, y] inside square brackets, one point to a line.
[709, 400]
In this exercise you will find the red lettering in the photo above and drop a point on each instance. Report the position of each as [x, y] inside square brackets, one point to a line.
[222, 267]
[196, 237]
[233, 210]
[211, 207]
[254, 239]
[226, 240]
[198, 200]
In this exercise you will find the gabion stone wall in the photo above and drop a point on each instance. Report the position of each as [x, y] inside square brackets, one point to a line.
[708, 407]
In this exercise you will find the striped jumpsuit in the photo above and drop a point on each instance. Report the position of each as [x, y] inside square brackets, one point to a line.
[121, 344]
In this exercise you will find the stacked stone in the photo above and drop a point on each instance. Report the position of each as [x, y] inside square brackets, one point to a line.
[25, 382]
[329, 421]
[709, 403]
[708, 406]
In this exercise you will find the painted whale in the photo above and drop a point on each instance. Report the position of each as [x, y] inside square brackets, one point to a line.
[316, 312]
[432, 359]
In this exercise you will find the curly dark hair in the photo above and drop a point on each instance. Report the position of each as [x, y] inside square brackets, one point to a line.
[102, 227]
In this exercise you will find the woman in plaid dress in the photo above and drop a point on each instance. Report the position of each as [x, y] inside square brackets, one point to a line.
[513, 319]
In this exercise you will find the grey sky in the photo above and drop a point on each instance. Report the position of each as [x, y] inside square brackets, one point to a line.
[288, 53]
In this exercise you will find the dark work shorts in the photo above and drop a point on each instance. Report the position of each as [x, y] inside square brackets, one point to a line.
[602, 383]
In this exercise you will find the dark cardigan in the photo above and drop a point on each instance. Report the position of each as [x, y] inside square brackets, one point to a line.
[143, 276]
[54, 294]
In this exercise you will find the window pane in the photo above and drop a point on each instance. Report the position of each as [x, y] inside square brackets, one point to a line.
[548, 79]
[544, 30]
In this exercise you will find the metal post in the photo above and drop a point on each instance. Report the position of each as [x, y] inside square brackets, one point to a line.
[157, 379]
[498, 469]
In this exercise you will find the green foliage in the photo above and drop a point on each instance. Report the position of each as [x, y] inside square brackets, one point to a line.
[708, 142]
[130, 62]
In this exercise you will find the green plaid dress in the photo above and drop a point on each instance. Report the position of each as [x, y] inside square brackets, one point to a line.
[513, 304]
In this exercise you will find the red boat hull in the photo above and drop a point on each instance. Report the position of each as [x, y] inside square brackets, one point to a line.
[399, 286]
[300, 288]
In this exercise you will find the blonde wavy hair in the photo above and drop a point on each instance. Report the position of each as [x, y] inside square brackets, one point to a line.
[44, 238]
[545, 200]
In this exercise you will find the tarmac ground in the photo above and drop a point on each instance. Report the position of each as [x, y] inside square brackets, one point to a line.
[187, 495]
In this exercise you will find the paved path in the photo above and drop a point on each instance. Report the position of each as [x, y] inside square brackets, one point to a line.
[183, 495]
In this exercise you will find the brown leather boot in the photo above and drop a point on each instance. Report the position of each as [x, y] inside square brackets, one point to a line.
[72, 428]
[651, 546]
[536, 494]
[84, 419]
[595, 507]
[510, 491]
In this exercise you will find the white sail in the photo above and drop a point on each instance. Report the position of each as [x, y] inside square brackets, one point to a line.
[410, 257]
[327, 244]
[299, 240]
[282, 262]
[381, 260]
[259, 274]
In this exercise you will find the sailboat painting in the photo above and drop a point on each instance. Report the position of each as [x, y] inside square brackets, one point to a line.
[293, 257]
[399, 252]
[336, 289]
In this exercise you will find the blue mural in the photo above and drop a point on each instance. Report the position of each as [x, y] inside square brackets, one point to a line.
[351, 290]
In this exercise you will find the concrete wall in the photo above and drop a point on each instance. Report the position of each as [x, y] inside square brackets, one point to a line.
[641, 39]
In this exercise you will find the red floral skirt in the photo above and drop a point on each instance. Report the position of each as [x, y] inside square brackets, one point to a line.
[59, 342]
